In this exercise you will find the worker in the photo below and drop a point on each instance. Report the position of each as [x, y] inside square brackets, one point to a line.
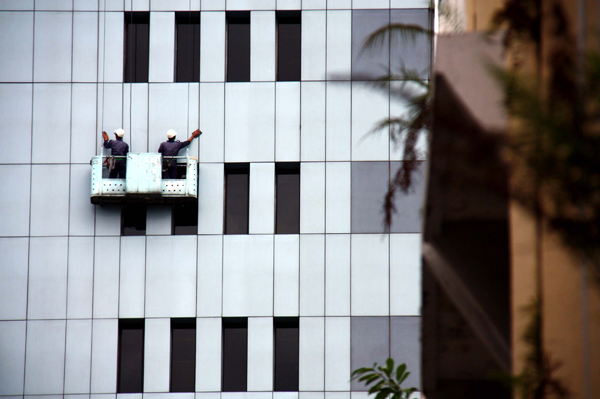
[170, 148]
[118, 147]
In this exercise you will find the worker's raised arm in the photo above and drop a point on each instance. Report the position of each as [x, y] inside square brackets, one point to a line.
[105, 136]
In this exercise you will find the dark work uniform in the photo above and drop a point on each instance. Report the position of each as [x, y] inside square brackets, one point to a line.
[117, 147]
[171, 149]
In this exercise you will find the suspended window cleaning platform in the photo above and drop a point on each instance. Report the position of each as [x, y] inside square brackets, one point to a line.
[144, 182]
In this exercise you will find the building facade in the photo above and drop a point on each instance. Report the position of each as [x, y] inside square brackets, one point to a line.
[281, 278]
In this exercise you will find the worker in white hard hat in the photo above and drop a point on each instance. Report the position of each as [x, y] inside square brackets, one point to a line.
[170, 148]
[119, 148]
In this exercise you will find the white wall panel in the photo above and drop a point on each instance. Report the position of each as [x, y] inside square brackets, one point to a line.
[132, 277]
[212, 46]
[12, 361]
[409, 4]
[17, 5]
[262, 198]
[249, 122]
[339, 4]
[110, 41]
[111, 95]
[47, 278]
[213, 5]
[136, 111]
[157, 350]
[339, 44]
[289, 5]
[311, 395]
[248, 275]
[162, 47]
[81, 211]
[210, 275]
[250, 4]
[85, 47]
[168, 109]
[158, 220]
[405, 274]
[337, 197]
[210, 200]
[78, 356]
[49, 200]
[83, 123]
[44, 366]
[338, 121]
[312, 275]
[14, 253]
[106, 277]
[260, 353]
[262, 45]
[51, 123]
[80, 277]
[312, 354]
[52, 47]
[312, 197]
[14, 200]
[170, 5]
[171, 276]
[15, 120]
[313, 44]
[314, 4]
[287, 275]
[193, 119]
[108, 220]
[53, 5]
[16, 45]
[212, 122]
[208, 355]
[337, 353]
[312, 138]
[370, 275]
[105, 335]
[85, 5]
[337, 275]
[370, 4]
[369, 106]
[287, 121]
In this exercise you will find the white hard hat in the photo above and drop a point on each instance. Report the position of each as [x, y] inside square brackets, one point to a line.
[120, 133]
[171, 133]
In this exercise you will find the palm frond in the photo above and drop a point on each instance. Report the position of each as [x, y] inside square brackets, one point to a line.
[395, 31]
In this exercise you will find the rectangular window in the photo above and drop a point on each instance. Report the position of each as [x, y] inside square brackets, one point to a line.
[137, 45]
[183, 355]
[133, 220]
[287, 353]
[289, 49]
[130, 364]
[236, 198]
[287, 198]
[238, 46]
[187, 62]
[235, 354]
[185, 219]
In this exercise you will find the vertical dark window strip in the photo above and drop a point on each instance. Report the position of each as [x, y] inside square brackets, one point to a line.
[238, 46]
[235, 355]
[137, 47]
[187, 47]
[130, 367]
[133, 220]
[287, 198]
[289, 45]
[185, 218]
[287, 353]
[183, 355]
[236, 198]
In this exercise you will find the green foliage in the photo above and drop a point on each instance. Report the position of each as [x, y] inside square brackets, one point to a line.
[384, 380]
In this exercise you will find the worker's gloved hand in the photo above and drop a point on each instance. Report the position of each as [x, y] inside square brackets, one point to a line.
[196, 133]
[104, 136]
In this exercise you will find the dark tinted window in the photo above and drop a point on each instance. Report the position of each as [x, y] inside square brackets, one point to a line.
[287, 198]
[286, 353]
[235, 354]
[183, 355]
[238, 46]
[185, 218]
[137, 44]
[236, 198]
[187, 63]
[133, 220]
[130, 373]
[289, 35]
